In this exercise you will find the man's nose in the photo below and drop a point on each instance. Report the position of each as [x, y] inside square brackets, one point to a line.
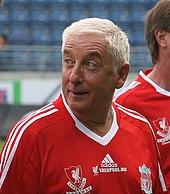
[77, 74]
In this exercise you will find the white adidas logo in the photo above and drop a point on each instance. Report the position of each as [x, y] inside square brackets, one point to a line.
[108, 162]
[108, 166]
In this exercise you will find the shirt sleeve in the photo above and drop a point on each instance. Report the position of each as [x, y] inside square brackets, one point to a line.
[19, 172]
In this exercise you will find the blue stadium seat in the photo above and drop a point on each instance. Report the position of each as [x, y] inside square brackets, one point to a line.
[118, 12]
[77, 11]
[5, 59]
[136, 36]
[58, 61]
[39, 34]
[38, 12]
[3, 28]
[17, 1]
[137, 11]
[54, 62]
[138, 1]
[39, 60]
[19, 33]
[20, 61]
[97, 9]
[125, 26]
[57, 1]
[118, 1]
[17, 12]
[37, 1]
[95, 1]
[76, 1]
[58, 12]
[56, 33]
[138, 61]
[3, 14]
[151, 3]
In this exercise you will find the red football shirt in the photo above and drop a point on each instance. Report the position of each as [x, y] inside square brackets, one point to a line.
[51, 152]
[144, 96]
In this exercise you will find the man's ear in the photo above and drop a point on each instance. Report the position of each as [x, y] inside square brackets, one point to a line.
[160, 36]
[123, 73]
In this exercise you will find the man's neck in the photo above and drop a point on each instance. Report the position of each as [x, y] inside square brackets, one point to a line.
[97, 124]
[160, 76]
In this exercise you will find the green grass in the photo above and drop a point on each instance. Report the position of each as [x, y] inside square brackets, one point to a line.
[1, 144]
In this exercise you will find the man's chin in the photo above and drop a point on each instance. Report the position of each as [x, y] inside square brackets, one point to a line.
[77, 107]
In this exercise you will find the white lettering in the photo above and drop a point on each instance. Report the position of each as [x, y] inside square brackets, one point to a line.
[109, 165]
[122, 169]
[163, 139]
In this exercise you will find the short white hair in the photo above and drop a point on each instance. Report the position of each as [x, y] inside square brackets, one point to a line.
[118, 44]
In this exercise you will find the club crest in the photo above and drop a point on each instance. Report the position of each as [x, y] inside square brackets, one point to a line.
[76, 181]
[146, 182]
[74, 174]
[163, 128]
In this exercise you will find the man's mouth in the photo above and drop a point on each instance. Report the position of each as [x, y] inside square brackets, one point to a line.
[79, 93]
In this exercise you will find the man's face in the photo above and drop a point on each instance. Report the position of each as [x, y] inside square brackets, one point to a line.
[88, 76]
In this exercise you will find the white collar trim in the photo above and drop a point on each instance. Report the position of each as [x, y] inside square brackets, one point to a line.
[158, 88]
[101, 140]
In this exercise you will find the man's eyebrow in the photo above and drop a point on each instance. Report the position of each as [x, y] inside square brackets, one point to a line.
[91, 54]
[95, 54]
[66, 52]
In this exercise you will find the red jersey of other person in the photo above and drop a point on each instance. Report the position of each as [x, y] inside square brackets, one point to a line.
[147, 98]
[51, 152]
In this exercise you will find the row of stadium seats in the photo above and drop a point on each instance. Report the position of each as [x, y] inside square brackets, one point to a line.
[39, 12]
[39, 23]
[41, 33]
[83, 1]
[48, 58]
[22, 58]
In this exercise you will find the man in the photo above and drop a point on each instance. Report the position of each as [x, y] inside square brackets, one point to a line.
[150, 93]
[3, 41]
[81, 143]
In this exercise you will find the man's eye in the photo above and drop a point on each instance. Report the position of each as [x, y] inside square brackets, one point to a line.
[68, 61]
[91, 66]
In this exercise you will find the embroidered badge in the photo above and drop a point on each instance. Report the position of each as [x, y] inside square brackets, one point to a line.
[163, 128]
[76, 181]
[146, 182]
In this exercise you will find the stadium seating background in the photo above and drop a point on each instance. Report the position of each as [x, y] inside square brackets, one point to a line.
[41, 22]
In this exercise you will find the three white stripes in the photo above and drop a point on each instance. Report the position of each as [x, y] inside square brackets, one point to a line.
[16, 134]
[107, 159]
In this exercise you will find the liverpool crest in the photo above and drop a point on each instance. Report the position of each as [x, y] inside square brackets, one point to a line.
[146, 182]
[76, 181]
[163, 128]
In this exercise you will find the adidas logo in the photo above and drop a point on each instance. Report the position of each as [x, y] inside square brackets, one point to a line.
[108, 166]
[108, 162]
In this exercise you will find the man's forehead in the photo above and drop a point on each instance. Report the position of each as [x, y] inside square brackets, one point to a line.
[85, 40]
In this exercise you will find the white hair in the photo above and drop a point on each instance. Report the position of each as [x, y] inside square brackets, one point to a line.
[118, 45]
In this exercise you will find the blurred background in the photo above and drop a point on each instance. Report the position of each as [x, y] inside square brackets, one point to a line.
[30, 54]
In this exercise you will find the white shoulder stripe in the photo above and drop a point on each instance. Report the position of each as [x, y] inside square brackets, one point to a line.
[162, 178]
[6, 161]
[132, 113]
[130, 86]
[13, 132]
